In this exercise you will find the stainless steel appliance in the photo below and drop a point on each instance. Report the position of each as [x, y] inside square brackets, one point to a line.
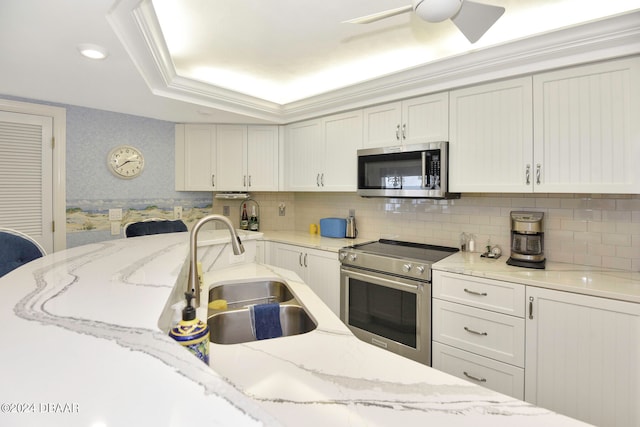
[416, 171]
[385, 294]
[352, 231]
[527, 240]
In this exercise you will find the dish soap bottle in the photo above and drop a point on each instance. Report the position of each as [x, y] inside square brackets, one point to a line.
[253, 220]
[191, 332]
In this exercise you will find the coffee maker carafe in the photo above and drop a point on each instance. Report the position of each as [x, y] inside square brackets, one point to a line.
[527, 240]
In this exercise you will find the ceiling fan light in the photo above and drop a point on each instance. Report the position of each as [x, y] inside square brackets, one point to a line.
[437, 10]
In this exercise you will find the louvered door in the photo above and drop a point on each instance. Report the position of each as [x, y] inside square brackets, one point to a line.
[26, 192]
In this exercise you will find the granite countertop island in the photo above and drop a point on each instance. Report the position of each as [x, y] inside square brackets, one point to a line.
[84, 344]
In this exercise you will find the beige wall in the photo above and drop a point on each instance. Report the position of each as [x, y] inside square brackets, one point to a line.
[595, 230]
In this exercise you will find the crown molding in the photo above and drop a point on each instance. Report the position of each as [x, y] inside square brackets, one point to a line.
[136, 25]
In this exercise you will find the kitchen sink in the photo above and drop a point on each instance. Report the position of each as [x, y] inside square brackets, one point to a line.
[240, 295]
[232, 325]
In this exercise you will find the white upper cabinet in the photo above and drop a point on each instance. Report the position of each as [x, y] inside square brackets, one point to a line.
[226, 158]
[320, 155]
[262, 158]
[195, 161]
[303, 150]
[587, 128]
[231, 157]
[412, 121]
[491, 137]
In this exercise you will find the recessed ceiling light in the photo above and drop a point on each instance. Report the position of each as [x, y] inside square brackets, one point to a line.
[92, 51]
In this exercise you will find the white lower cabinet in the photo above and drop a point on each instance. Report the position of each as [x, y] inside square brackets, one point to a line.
[498, 376]
[479, 331]
[583, 357]
[318, 269]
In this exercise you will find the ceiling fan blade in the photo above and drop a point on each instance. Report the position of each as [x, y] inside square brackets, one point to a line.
[474, 19]
[380, 15]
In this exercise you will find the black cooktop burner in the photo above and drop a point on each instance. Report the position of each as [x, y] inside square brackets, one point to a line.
[406, 250]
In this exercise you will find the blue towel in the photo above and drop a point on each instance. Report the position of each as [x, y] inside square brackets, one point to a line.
[265, 321]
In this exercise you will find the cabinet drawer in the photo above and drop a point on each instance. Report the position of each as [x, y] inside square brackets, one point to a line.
[482, 332]
[494, 295]
[497, 376]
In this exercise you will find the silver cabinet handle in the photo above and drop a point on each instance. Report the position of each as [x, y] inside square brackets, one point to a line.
[473, 377]
[244, 181]
[322, 179]
[538, 167]
[398, 132]
[249, 180]
[213, 180]
[300, 259]
[305, 260]
[530, 307]
[527, 174]
[471, 331]
[481, 294]
[317, 180]
[404, 131]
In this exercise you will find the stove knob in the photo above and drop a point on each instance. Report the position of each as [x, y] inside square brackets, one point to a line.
[343, 255]
[420, 269]
[406, 268]
[353, 257]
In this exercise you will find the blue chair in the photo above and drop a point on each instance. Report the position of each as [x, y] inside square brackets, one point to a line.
[16, 249]
[154, 226]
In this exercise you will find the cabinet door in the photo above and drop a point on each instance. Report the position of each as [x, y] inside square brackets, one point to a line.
[196, 145]
[289, 257]
[491, 137]
[342, 138]
[582, 357]
[382, 126]
[304, 156]
[231, 155]
[587, 128]
[425, 119]
[262, 158]
[323, 277]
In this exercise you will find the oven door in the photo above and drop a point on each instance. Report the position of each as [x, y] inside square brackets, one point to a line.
[388, 311]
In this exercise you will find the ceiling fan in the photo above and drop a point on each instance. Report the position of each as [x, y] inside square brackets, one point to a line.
[472, 19]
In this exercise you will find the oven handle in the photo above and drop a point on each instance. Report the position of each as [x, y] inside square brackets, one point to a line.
[424, 168]
[399, 283]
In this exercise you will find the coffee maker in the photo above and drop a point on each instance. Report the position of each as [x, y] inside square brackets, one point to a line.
[527, 240]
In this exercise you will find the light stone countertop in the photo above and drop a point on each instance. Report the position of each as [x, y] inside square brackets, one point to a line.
[82, 346]
[581, 279]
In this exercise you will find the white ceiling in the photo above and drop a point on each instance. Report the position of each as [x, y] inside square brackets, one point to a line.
[218, 56]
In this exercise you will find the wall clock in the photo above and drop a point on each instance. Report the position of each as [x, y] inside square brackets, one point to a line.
[125, 161]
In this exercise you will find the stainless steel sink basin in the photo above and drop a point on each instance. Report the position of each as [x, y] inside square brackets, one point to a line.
[240, 295]
[234, 326]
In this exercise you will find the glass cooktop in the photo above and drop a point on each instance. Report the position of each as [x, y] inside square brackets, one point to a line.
[405, 250]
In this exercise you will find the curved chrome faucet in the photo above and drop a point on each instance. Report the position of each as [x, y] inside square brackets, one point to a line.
[193, 285]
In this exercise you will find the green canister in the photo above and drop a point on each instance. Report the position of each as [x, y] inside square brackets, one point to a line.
[191, 332]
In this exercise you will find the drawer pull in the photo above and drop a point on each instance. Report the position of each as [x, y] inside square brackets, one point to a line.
[471, 331]
[481, 294]
[480, 380]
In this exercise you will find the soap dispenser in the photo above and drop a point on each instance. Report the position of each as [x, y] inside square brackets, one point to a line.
[191, 332]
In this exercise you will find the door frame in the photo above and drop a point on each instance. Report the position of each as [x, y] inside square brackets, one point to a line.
[59, 117]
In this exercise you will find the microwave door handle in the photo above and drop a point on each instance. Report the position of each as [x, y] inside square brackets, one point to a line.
[424, 168]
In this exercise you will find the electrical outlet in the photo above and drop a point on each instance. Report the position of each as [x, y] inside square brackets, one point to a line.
[282, 209]
[177, 212]
[225, 211]
[115, 215]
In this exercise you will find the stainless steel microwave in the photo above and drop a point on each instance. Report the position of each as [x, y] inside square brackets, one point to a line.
[413, 171]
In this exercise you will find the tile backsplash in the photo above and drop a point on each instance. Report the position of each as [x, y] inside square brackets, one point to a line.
[589, 229]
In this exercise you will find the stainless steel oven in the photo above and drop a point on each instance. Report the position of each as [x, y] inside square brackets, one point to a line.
[385, 294]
